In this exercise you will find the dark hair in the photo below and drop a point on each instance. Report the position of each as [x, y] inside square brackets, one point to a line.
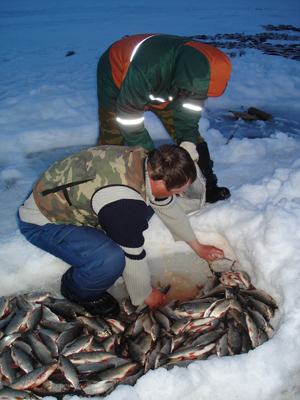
[173, 165]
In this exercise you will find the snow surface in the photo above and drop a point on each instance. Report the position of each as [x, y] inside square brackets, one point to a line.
[48, 109]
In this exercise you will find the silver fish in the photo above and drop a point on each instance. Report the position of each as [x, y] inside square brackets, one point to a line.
[238, 316]
[210, 308]
[69, 372]
[8, 339]
[145, 342]
[262, 296]
[5, 321]
[36, 377]
[49, 338]
[78, 345]
[20, 344]
[136, 353]
[179, 363]
[24, 304]
[234, 339]
[235, 305]
[128, 308]
[151, 357]
[206, 338]
[261, 307]
[209, 326]
[180, 325]
[210, 284]
[166, 344]
[132, 379]
[162, 320]
[51, 316]
[178, 340]
[221, 346]
[252, 330]
[34, 318]
[195, 310]
[136, 327]
[4, 307]
[57, 326]
[155, 331]
[67, 336]
[53, 388]
[229, 280]
[7, 372]
[262, 337]
[112, 341]
[12, 394]
[192, 352]
[260, 321]
[88, 357]
[22, 359]
[106, 325]
[61, 308]
[92, 368]
[244, 277]
[216, 292]
[96, 345]
[36, 297]
[147, 323]
[41, 352]
[246, 343]
[95, 326]
[70, 307]
[98, 388]
[117, 326]
[221, 308]
[18, 323]
[220, 322]
[120, 372]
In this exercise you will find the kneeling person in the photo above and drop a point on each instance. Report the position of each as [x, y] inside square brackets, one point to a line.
[91, 208]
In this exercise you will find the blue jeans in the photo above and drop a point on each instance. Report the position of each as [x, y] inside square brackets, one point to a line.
[96, 261]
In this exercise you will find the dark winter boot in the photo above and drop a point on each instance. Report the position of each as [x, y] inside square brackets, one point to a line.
[106, 306]
[214, 193]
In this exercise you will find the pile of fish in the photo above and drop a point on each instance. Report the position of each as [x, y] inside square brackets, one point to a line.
[54, 347]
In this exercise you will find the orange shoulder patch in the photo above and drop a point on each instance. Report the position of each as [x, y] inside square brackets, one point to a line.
[220, 67]
[120, 53]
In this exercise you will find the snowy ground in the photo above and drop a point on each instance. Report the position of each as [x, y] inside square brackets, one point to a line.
[48, 109]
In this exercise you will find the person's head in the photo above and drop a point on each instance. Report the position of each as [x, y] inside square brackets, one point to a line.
[170, 170]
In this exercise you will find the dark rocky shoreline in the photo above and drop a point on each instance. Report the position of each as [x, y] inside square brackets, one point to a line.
[260, 41]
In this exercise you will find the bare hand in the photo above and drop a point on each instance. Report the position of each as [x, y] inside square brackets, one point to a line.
[210, 253]
[155, 299]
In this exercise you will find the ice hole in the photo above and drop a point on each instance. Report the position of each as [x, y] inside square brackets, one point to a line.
[185, 272]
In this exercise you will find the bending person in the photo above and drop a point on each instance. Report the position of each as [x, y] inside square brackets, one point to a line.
[90, 209]
[170, 76]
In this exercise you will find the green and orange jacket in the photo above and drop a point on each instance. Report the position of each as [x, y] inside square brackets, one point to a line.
[143, 71]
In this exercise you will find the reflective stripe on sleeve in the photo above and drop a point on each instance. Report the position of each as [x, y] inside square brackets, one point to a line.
[134, 121]
[156, 98]
[192, 107]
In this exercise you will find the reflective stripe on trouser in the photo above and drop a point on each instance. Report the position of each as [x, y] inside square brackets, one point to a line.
[109, 131]
[166, 118]
[96, 261]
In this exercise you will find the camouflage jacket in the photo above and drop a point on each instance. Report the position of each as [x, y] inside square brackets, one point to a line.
[64, 192]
